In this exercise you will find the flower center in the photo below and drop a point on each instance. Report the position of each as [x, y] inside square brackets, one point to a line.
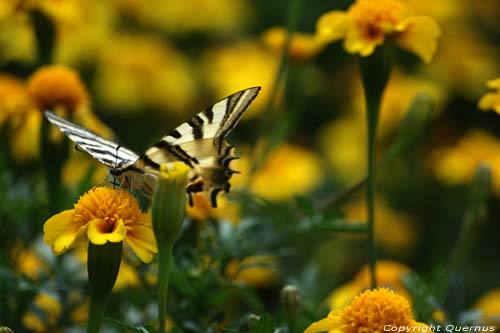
[108, 205]
[372, 310]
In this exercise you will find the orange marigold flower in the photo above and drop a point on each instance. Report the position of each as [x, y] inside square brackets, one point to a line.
[56, 86]
[102, 215]
[491, 100]
[367, 23]
[372, 311]
[389, 275]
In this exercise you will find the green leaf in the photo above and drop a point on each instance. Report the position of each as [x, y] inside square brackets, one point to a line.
[424, 302]
[134, 328]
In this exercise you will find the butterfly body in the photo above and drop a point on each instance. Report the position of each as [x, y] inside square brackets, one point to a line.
[199, 143]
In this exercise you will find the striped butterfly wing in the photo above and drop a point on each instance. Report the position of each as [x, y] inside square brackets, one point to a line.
[200, 143]
[107, 152]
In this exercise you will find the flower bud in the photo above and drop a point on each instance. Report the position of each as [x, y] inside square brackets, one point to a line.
[290, 298]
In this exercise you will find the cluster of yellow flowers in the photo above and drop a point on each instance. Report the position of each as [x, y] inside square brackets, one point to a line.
[137, 72]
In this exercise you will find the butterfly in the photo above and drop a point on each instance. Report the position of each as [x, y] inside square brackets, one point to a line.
[199, 143]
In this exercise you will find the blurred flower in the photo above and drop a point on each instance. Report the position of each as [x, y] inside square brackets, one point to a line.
[395, 232]
[489, 305]
[179, 17]
[30, 263]
[344, 140]
[52, 87]
[136, 73]
[444, 11]
[288, 171]
[17, 38]
[16, 110]
[389, 275]
[491, 100]
[203, 210]
[102, 215]
[256, 271]
[81, 26]
[235, 67]
[78, 166]
[366, 24]
[302, 46]
[467, 73]
[57, 88]
[46, 313]
[371, 311]
[13, 97]
[457, 164]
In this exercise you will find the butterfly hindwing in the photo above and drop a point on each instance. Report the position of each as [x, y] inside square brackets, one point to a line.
[200, 144]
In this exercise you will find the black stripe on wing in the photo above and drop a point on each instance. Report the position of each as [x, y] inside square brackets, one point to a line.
[105, 151]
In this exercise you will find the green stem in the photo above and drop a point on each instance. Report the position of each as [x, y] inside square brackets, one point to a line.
[372, 118]
[164, 260]
[375, 71]
[96, 313]
[103, 264]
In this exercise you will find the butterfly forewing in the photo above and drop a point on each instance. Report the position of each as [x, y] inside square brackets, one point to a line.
[107, 152]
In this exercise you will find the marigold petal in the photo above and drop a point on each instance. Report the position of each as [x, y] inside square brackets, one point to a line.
[99, 234]
[494, 84]
[328, 324]
[332, 26]
[355, 42]
[490, 101]
[61, 233]
[142, 241]
[420, 37]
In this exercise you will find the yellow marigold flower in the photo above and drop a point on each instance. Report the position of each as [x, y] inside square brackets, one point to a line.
[29, 263]
[367, 23]
[491, 100]
[289, 170]
[457, 164]
[49, 307]
[102, 215]
[489, 305]
[369, 312]
[395, 232]
[255, 271]
[465, 74]
[155, 76]
[302, 46]
[177, 17]
[79, 165]
[23, 120]
[13, 97]
[389, 275]
[344, 140]
[260, 69]
[57, 86]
